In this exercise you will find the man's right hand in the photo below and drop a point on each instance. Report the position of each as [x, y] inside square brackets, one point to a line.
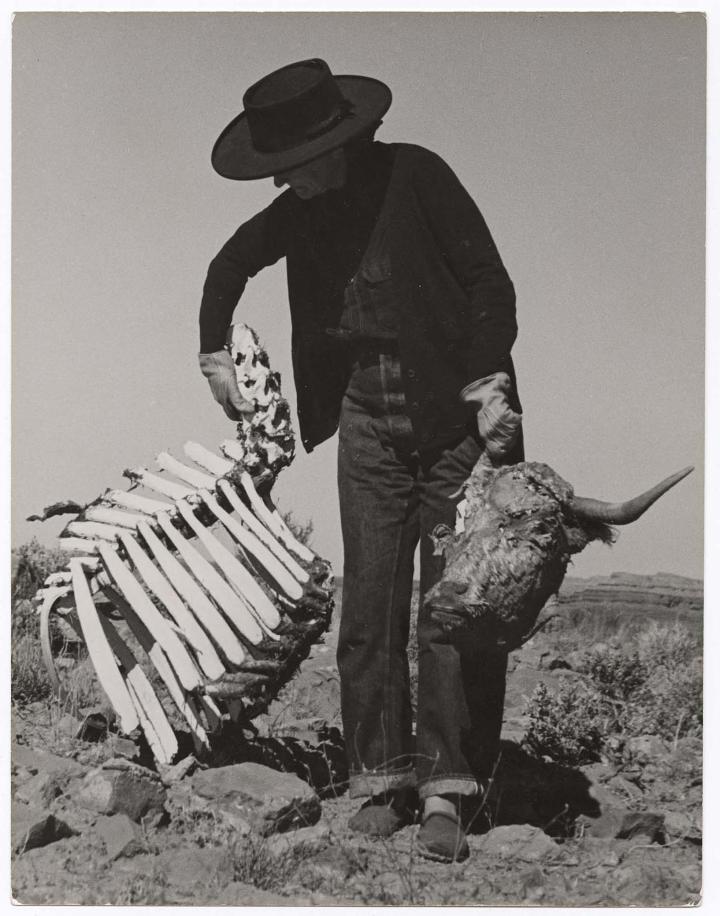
[219, 369]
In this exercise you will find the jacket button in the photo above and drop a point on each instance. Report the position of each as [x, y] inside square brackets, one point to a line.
[414, 406]
[411, 373]
[424, 437]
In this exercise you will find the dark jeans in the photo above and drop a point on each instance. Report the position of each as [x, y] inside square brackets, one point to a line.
[391, 497]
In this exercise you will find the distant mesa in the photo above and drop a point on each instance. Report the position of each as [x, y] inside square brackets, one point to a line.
[662, 597]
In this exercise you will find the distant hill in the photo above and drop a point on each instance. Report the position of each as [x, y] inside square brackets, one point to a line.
[662, 597]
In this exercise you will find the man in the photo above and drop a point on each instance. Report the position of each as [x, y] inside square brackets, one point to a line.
[403, 318]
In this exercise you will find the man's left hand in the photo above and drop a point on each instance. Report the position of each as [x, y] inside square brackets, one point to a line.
[498, 424]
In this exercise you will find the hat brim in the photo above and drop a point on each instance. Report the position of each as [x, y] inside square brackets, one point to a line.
[234, 156]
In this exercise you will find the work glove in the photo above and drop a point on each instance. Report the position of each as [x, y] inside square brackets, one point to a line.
[498, 424]
[219, 369]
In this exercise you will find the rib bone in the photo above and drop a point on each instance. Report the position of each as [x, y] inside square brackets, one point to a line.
[207, 459]
[157, 483]
[197, 600]
[247, 588]
[207, 657]
[196, 479]
[228, 600]
[263, 533]
[247, 540]
[100, 652]
[155, 724]
[138, 503]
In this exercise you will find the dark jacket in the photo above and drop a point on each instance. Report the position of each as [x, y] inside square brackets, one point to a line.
[456, 303]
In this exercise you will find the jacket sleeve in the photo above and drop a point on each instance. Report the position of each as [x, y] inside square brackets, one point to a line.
[258, 243]
[467, 247]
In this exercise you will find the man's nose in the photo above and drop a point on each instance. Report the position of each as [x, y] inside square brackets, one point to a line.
[279, 181]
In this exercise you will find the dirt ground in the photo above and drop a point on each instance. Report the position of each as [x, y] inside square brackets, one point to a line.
[608, 833]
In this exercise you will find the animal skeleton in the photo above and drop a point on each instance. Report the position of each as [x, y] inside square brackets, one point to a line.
[224, 628]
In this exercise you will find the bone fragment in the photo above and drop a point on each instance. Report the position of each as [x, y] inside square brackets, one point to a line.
[155, 724]
[73, 544]
[94, 530]
[305, 553]
[206, 459]
[157, 483]
[195, 478]
[161, 662]
[114, 517]
[247, 540]
[263, 533]
[195, 597]
[211, 580]
[240, 577]
[100, 652]
[233, 449]
[207, 657]
[51, 597]
[143, 607]
[273, 520]
[59, 578]
[137, 503]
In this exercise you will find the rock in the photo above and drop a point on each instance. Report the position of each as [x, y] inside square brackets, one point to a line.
[620, 824]
[624, 786]
[270, 801]
[598, 772]
[121, 836]
[532, 884]
[179, 770]
[237, 893]
[42, 788]
[643, 824]
[330, 866]
[68, 726]
[188, 867]
[121, 787]
[690, 744]
[33, 827]
[219, 820]
[41, 761]
[680, 824]
[94, 726]
[518, 841]
[646, 747]
[122, 747]
[606, 799]
[315, 836]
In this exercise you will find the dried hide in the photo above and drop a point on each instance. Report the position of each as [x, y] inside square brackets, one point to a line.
[517, 528]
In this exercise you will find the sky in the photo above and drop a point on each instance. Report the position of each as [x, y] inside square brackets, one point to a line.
[581, 136]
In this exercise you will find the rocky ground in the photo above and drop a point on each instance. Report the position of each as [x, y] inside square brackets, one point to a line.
[94, 823]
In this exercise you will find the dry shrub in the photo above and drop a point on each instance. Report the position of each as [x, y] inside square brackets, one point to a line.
[568, 726]
[649, 683]
[32, 564]
[29, 680]
[254, 862]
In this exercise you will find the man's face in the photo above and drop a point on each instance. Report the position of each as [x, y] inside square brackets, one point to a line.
[316, 177]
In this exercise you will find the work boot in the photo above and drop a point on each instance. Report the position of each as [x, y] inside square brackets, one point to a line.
[441, 836]
[384, 814]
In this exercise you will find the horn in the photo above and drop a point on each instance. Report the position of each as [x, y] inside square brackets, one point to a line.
[628, 511]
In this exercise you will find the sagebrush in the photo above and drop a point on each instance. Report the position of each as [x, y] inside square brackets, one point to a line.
[648, 684]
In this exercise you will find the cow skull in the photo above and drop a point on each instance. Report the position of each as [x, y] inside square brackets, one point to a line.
[519, 526]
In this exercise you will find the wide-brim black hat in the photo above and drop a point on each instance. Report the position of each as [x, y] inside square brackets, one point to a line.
[294, 115]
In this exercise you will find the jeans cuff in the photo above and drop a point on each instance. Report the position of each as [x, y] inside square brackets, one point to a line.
[448, 785]
[374, 782]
